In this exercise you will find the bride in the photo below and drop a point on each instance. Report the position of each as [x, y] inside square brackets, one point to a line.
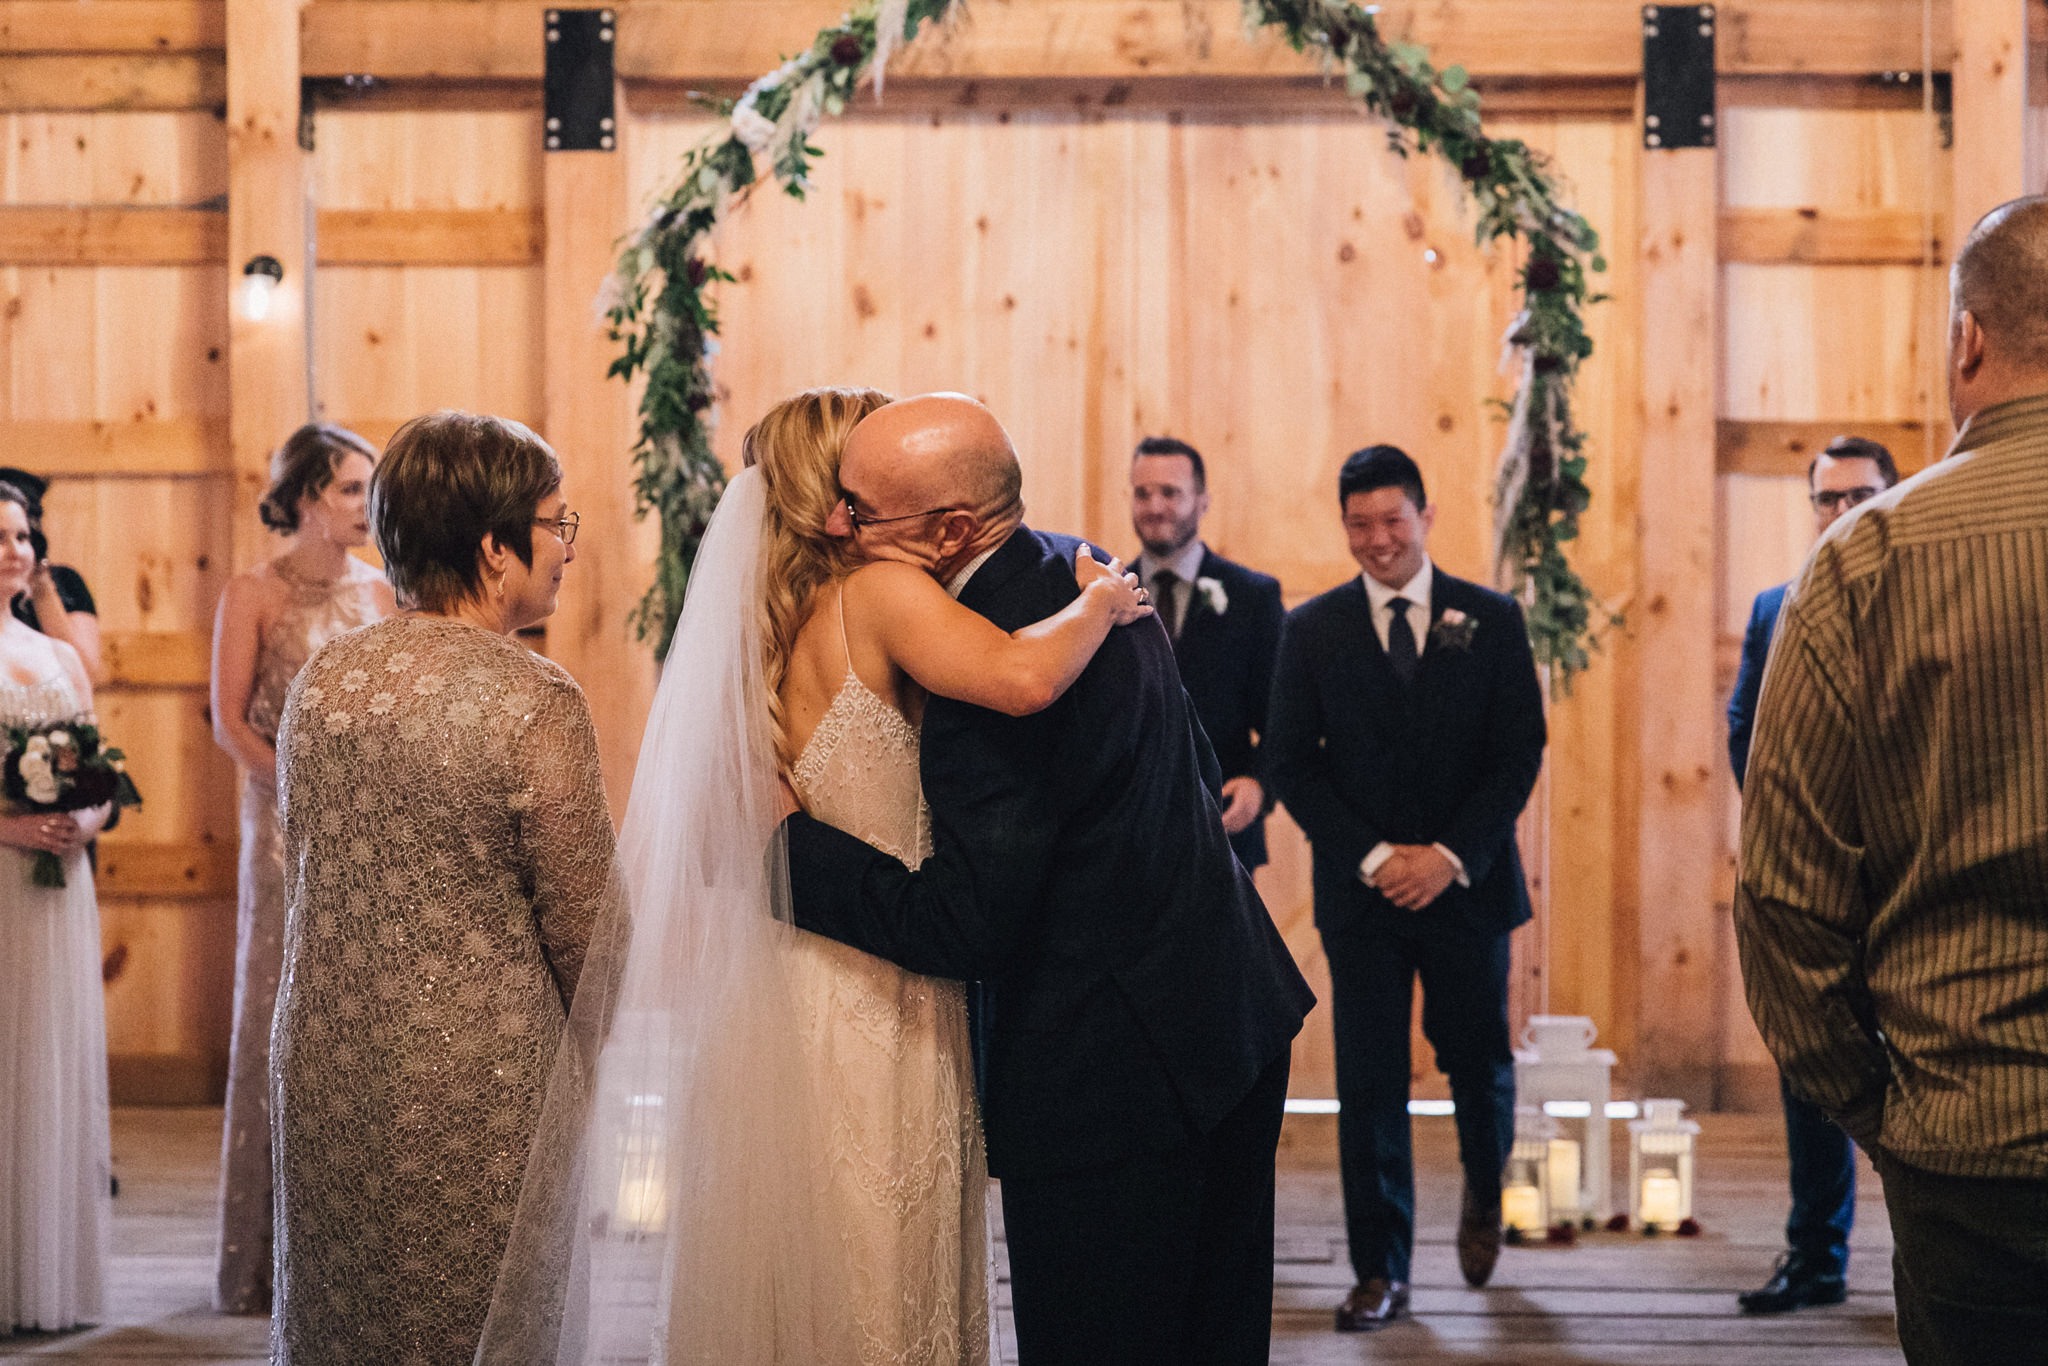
[760, 1146]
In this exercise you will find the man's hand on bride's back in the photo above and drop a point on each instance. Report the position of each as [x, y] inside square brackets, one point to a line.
[1110, 583]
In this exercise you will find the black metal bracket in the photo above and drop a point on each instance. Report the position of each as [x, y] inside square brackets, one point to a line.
[578, 91]
[1678, 76]
[317, 92]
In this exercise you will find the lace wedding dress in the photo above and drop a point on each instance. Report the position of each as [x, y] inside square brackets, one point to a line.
[54, 1141]
[891, 1071]
[759, 1148]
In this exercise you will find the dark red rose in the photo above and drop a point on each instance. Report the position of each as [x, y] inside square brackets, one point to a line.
[699, 402]
[848, 49]
[1688, 1228]
[1548, 365]
[1338, 36]
[1618, 1224]
[695, 270]
[1477, 166]
[1542, 274]
[1401, 103]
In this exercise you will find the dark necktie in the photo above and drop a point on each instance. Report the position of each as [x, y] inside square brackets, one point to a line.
[1164, 581]
[1401, 652]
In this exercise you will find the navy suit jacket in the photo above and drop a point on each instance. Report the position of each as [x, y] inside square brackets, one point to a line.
[1133, 985]
[1449, 759]
[1226, 664]
[1749, 680]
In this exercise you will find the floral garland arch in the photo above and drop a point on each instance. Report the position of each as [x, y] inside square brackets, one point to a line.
[662, 314]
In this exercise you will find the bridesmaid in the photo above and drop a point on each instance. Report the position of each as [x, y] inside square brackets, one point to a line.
[54, 1162]
[270, 622]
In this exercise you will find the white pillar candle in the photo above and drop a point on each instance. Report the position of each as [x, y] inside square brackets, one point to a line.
[1562, 1175]
[1662, 1200]
[1521, 1206]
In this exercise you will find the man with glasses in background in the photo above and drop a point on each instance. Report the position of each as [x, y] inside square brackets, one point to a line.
[1813, 1270]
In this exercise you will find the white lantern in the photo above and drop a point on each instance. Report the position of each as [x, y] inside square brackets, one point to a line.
[1524, 1208]
[1559, 1072]
[1660, 1153]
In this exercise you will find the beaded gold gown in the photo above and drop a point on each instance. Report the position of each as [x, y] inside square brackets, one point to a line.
[906, 1177]
[318, 611]
[446, 850]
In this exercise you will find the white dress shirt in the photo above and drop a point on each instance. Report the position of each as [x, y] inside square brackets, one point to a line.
[1187, 567]
[1381, 599]
[958, 583]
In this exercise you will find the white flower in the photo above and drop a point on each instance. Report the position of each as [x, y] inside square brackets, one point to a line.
[1211, 591]
[60, 738]
[752, 127]
[36, 745]
[354, 679]
[37, 780]
[1452, 617]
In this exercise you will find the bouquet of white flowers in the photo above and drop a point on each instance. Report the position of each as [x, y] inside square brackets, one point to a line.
[63, 767]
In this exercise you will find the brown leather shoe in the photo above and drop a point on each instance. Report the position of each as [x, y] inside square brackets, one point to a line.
[1478, 1239]
[1375, 1304]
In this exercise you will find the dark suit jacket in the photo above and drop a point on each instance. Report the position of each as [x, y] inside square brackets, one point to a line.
[1450, 759]
[1226, 664]
[1133, 985]
[1749, 680]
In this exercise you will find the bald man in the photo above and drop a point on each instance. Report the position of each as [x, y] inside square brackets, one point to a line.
[1137, 1004]
[1892, 910]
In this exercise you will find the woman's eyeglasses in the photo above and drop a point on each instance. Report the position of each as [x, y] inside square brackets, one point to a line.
[563, 526]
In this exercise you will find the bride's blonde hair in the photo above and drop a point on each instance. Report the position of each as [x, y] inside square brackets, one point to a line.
[797, 445]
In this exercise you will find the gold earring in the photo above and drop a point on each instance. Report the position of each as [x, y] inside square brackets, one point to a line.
[501, 588]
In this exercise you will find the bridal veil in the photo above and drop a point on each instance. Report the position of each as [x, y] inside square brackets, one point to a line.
[670, 1212]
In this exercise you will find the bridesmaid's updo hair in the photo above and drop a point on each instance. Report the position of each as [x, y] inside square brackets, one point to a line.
[797, 445]
[303, 467]
[446, 480]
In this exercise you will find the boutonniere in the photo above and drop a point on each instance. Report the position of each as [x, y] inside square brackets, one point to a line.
[1453, 630]
[1211, 593]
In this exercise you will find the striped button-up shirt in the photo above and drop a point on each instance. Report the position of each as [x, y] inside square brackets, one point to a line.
[1892, 910]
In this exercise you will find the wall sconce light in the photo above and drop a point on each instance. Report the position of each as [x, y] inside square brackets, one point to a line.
[260, 279]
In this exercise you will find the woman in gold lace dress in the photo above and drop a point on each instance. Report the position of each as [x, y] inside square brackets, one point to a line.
[270, 622]
[447, 847]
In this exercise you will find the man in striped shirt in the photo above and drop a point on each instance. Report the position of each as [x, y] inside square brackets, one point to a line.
[1893, 905]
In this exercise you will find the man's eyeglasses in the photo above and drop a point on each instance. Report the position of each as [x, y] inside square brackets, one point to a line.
[563, 526]
[1827, 500]
[858, 519]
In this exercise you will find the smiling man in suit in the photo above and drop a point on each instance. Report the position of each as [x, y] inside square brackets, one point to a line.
[1406, 735]
[1225, 623]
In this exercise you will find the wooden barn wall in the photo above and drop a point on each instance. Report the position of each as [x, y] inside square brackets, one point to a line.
[1277, 290]
[1857, 348]
[97, 359]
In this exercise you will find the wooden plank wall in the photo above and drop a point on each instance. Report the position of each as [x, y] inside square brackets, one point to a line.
[1821, 348]
[115, 380]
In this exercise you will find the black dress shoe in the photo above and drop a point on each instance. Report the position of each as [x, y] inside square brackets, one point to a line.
[1796, 1282]
[1375, 1304]
[1478, 1238]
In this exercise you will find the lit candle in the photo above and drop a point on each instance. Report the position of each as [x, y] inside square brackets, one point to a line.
[1521, 1206]
[643, 1204]
[1562, 1175]
[1662, 1200]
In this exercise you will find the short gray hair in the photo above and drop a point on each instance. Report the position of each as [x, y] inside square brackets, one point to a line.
[2000, 278]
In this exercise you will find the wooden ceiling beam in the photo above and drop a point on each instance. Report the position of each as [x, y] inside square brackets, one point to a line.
[692, 40]
[155, 26]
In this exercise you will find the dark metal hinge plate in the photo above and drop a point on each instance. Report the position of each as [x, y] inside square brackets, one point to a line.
[578, 92]
[1678, 76]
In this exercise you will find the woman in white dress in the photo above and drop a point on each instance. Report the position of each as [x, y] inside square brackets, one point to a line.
[55, 1164]
[781, 1162]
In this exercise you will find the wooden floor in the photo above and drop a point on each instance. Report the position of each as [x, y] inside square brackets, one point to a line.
[1612, 1299]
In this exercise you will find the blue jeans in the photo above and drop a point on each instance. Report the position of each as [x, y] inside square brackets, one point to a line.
[1823, 1163]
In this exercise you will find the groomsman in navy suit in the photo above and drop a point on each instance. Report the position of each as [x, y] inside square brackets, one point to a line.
[1225, 623]
[1406, 734]
[1814, 1268]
